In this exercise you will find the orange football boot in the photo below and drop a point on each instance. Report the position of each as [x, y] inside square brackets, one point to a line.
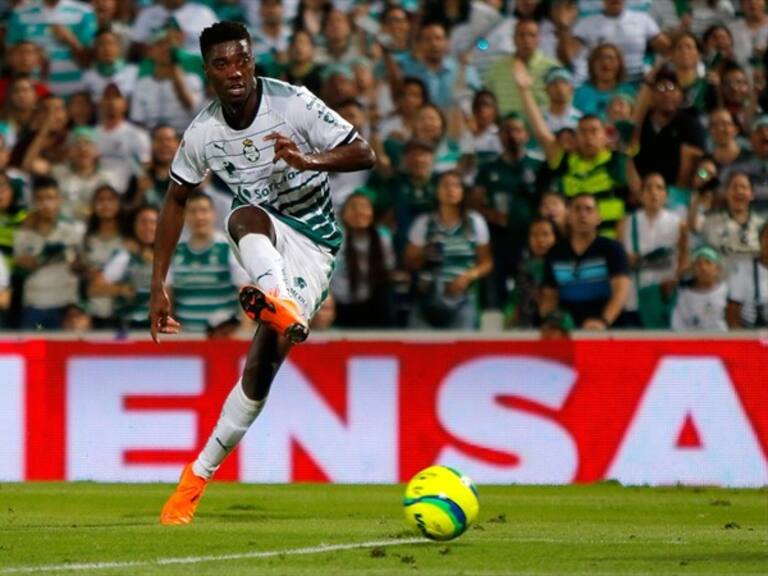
[281, 314]
[180, 507]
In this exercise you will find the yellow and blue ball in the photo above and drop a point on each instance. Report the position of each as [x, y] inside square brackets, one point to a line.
[441, 502]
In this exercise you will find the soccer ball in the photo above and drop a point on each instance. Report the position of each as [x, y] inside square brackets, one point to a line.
[441, 502]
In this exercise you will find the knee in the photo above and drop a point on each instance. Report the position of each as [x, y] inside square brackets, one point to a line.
[250, 220]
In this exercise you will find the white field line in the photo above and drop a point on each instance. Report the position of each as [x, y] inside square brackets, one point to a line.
[321, 549]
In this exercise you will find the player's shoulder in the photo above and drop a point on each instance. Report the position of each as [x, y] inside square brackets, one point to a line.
[284, 97]
[275, 88]
[205, 120]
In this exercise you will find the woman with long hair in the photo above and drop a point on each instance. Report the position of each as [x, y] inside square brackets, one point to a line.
[448, 251]
[103, 239]
[128, 274]
[606, 80]
[19, 110]
[361, 284]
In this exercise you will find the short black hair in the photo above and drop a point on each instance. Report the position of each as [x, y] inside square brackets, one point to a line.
[221, 32]
[200, 195]
[43, 183]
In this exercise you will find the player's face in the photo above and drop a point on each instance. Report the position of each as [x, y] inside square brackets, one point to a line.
[229, 69]
[201, 218]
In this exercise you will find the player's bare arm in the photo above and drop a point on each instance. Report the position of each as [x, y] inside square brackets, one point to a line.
[357, 155]
[168, 231]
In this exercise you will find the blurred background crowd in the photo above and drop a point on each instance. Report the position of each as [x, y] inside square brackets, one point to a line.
[556, 164]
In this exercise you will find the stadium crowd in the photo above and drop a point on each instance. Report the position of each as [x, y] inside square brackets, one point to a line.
[570, 163]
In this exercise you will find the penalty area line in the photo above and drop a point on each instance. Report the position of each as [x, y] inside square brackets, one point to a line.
[321, 549]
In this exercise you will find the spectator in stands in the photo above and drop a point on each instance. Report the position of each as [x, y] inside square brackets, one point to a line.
[445, 77]
[704, 189]
[448, 251]
[302, 69]
[501, 82]
[271, 37]
[129, 272]
[399, 126]
[552, 207]
[606, 79]
[107, 16]
[361, 284]
[484, 127]
[190, 17]
[338, 46]
[395, 33]
[325, 316]
[736, 95]
[755, 165]
[633, 32]
[168, 95]
[560, 113]
[724, 146]
[152, 184]
[671, 139]
[103, 240]
[5, 291]
[748, 289]
[522, 308]
[206, 274]
[19, 109]
[76, 319]
[408, 193]
[592, 168]
[586, 275]
[109, 67]
[81, 110]
[310, 16]
[698, 93]
[718, 45]
[750, 32]
[123, 146]
[23, 59]
[64, 29]
[79, 177]
[487, 33]
[344, 183]
[656, 242]
[506, 194]
[43, 147]
[701, 306]
[734, 231]
[12, 214]
[47, 249]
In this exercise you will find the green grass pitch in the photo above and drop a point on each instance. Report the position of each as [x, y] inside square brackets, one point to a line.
[596, 529]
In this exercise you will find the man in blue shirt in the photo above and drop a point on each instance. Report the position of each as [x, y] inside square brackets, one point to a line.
[445, 77]
[586, 275]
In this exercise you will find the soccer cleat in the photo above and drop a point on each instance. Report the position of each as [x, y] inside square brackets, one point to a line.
[180, 507]
[281, 314]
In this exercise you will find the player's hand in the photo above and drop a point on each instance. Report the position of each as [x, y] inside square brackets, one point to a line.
[160, 320]
[288, 151]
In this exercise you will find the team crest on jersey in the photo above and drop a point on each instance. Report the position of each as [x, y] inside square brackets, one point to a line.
[250, 151]
[300, 282]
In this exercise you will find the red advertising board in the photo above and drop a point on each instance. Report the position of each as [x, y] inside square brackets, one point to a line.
[640, 411]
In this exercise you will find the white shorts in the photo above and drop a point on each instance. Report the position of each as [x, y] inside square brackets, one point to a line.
[307, 267]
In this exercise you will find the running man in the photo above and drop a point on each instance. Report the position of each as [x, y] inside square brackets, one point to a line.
[273, 144]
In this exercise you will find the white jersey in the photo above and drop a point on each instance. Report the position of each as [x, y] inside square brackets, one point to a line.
[243, 159]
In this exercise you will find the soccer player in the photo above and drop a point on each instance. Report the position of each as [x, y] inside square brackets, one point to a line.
[273, 144]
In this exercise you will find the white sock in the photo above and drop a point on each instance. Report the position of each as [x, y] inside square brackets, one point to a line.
[263, 263]
[237, 415]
